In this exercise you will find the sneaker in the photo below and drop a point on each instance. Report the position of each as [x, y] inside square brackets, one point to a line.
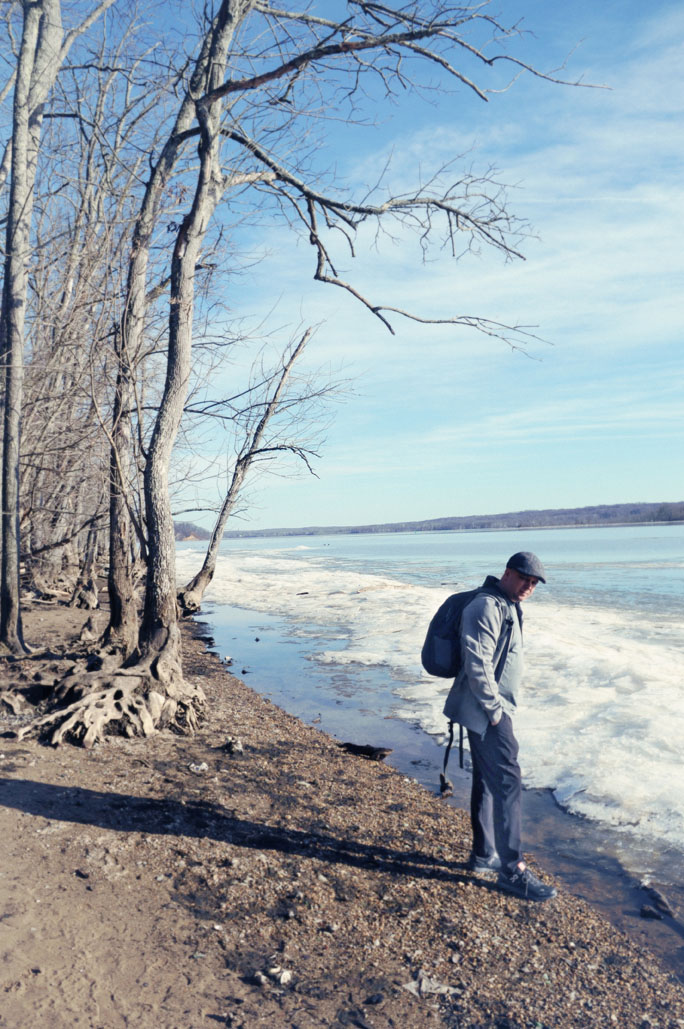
[484, 864]
[524, 883]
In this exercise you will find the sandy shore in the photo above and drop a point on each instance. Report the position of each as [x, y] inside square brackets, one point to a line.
[175, 884]
[603, 865]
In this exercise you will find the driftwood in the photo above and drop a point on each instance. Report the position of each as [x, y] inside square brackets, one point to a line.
[366, 750]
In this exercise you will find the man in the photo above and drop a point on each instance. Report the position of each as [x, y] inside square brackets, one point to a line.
[483, 700]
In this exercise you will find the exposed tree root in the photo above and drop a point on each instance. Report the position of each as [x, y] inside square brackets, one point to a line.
[14, 648]
[86, 705]
[189, 600]
[14, 702]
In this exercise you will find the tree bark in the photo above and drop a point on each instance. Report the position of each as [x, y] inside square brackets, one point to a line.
[159, 633]
[122, 629]
[25, 134]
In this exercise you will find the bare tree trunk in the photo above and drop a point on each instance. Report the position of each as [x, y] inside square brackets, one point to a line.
[85, 590]
[190, 597]
[122, 630]
[160, 635]
[120, 582]
[12, 324]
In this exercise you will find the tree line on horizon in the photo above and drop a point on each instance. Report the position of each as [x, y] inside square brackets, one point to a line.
[142, 152]
[599, 514]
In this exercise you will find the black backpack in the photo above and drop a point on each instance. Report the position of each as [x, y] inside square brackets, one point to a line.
[441, 653]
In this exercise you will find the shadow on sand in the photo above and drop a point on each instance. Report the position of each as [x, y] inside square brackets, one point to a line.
[126, 813]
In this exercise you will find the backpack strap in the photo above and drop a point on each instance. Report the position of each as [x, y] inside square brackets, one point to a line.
[446, 788]
[506, 647]
[445, 785]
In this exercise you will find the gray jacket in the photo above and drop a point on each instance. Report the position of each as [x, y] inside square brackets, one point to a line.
[478, 695]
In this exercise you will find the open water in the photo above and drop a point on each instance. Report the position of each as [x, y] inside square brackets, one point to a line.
[331, 627]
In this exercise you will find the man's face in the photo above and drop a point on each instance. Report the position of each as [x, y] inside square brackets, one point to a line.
[517, 587]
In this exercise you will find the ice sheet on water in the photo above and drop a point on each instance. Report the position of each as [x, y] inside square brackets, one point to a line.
[602, 715]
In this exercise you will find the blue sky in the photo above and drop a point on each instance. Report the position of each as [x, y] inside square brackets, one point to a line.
[445, 421]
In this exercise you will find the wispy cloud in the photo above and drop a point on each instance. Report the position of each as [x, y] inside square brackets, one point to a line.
[598, 174]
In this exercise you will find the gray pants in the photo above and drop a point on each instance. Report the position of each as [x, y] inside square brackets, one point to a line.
[496, 794]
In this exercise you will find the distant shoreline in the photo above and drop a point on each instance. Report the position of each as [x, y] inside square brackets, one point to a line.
[275, 534]
[603, 517]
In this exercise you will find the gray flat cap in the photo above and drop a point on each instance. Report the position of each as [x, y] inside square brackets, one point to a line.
[527, 563]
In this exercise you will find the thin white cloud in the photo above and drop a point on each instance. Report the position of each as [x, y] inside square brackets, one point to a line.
[598, 174]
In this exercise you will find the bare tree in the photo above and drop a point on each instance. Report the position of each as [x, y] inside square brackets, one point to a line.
[44, 47]
[256, 445]
[89, 165]
[123, 629]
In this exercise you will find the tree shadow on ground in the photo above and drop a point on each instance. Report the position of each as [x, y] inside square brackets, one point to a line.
[160, 816]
